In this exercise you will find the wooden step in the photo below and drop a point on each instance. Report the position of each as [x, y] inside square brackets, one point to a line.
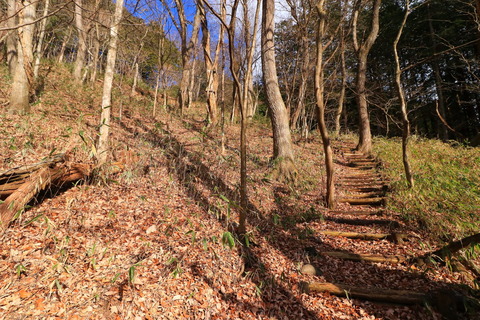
[375, 294]
[360, 183]
[369, 201]
[365, 257]
[354, 154]
[394, 237]
[368, 189]
[360, 173]
[373, 194]
[358, 212]
[364, 222]
[361, 180]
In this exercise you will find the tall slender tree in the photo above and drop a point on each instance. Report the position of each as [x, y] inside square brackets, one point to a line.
[401, 97]
[282, 142]
[82, 41]
[211, 63]
[41, 36]
[362, 48]
[188, 47]
[322, 44]
[102, 146]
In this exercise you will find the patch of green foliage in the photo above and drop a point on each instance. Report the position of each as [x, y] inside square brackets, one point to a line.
[445, 200]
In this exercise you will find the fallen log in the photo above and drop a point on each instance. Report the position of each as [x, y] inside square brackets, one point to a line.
[30, 180]
[376, 294]
[365, 257]
[446, 252]
[15, 203]
[12, 179]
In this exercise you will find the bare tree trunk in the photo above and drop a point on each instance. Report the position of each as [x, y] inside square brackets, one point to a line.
[250, 43]
[61, 55]
[12, 54]
[102, 148]
[211, 65]
[39, 49]
[438, 80]
[319, 93]
[401, 96]
[282, 141]
[82, 42]
[135, 80]
[23, 75]
[188, 48]
[155, 99]
[222, 103]
[230, 27]
[136, 64]
[362, 50]
[302, 90]
[96, 50]
[191, 79]
[96, 43]
[341, 98]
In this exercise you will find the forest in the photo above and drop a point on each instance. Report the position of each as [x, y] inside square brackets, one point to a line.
[240, 159]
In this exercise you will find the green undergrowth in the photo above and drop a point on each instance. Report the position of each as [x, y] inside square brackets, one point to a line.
[445, 201]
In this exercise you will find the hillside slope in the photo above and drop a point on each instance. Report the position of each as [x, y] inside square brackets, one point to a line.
[152, 241]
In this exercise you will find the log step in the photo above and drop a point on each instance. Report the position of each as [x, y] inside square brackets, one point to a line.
[375, 294]
[358, 212]
[352, 154]
[369, 201]
[365, 257]
[365, 222]
[357, 164]
[368, 189]
[362, 184]
[364, 195]
[360, 178]
[361, 175]
[394, 237]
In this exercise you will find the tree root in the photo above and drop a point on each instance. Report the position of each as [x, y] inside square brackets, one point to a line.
[285, 171]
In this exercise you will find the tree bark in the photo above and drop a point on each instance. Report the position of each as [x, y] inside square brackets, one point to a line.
[95, 52]
[319, 93]
[282, 142]
[12, 38]
[343, 72]
[362, 50]
[82, 42]
[23, 76]
[102, 147]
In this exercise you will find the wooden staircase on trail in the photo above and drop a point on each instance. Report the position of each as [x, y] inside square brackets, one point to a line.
[363, 198]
